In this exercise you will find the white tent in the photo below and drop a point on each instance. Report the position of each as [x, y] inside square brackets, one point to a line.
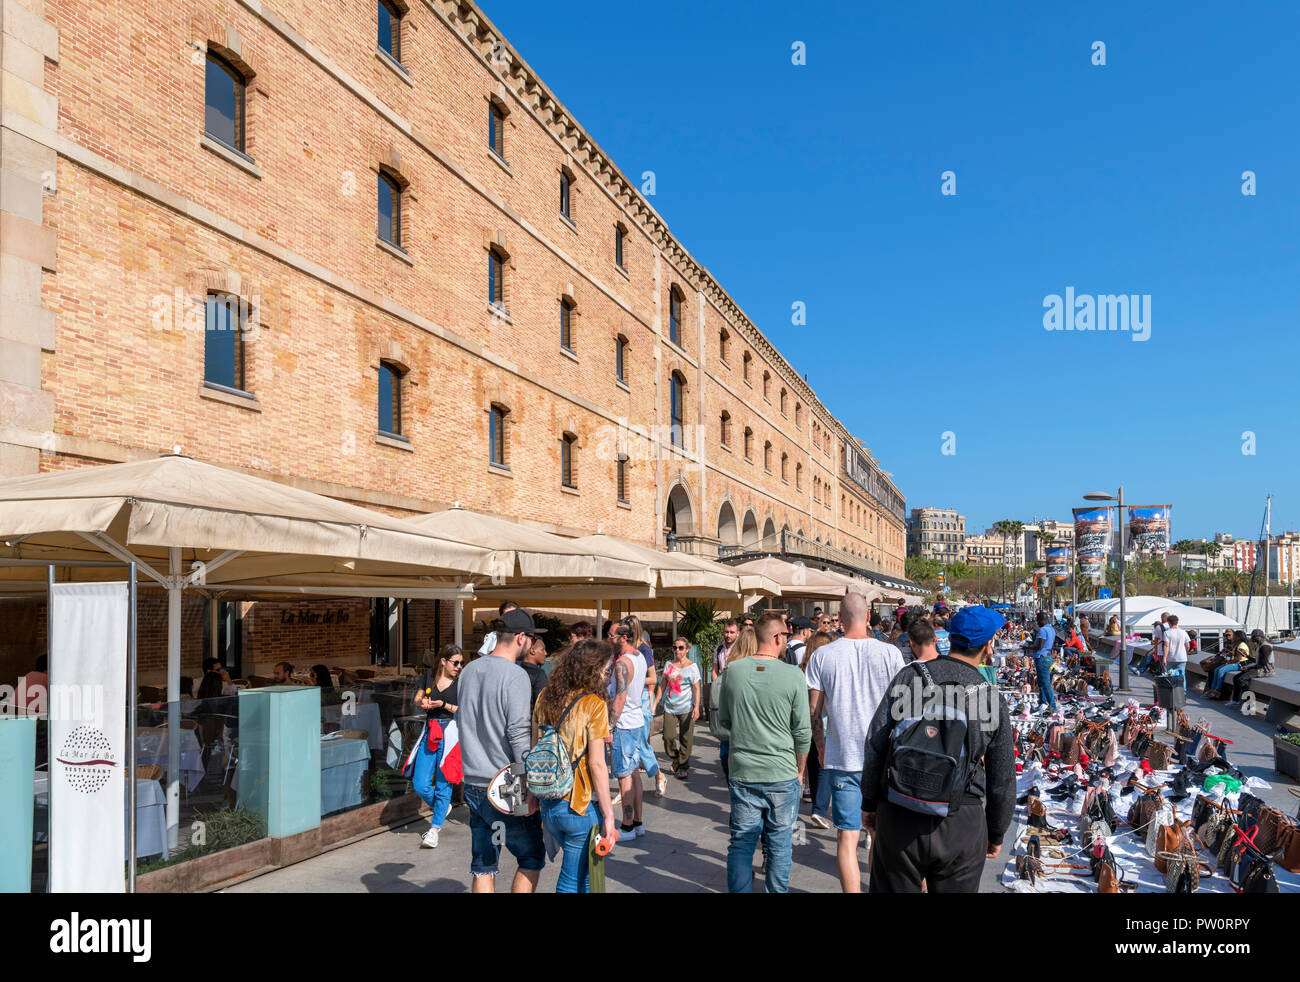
[1141, 613]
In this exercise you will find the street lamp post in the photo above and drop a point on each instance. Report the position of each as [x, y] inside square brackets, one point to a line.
[1123, 550]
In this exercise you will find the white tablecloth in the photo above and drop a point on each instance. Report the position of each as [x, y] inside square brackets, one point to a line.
[365, 718]
[343, 766]
[151, 748]
[150, 816]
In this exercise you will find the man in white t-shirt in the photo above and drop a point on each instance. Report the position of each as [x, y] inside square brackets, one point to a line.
[1175, 641]
[1157, 643]
[849, 677]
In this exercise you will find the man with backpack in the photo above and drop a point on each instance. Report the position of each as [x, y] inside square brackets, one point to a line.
[801, 630]
[939, 775]
[495, 730]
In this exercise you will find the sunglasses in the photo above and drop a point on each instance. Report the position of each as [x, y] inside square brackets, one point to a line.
[680, 647]
[457, 664]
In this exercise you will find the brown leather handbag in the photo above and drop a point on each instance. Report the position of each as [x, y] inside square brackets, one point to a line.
[1271, 825]
[1172, 838]
[1069, 749]
[1144, 808]
[1159, 754]
[1129, 731]
[1288, 851]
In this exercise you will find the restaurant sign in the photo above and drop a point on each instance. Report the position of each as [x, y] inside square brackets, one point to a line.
[872, 480]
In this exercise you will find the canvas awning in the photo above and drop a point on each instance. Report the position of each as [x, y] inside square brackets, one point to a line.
[798, 582]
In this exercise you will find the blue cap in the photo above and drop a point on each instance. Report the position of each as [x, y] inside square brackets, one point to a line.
[973, 627]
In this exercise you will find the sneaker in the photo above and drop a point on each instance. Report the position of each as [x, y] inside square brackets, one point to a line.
[618, 796]
[429, 840]
[820, 821]
[638, 830]
[661, 784]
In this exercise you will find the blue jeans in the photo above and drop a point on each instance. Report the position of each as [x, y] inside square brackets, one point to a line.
[1044, 666]
[724, 755]
[1144, 663]
[846, 798]
[767, 811]
[1221, 675]
[573, 832]
[434, 789]
[632, 752]
[645, 711]
[522, 834]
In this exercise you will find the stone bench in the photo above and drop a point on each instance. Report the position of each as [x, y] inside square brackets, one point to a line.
[1283, 693]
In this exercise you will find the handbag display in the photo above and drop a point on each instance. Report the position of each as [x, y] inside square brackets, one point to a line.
[1070, 749]
[1129, 731]
[1161, 818]
[1258, 876]
[1271, 825]
[1288, 852]
[1144, 807]
[1172, 838]
[1182, 871]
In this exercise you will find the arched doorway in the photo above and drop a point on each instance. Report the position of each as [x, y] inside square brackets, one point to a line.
[769, 535]
[728, 531]
[678, 517]
[749, 531]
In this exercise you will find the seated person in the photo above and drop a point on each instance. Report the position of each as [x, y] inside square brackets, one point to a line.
[1238, 656]
[282, 673]
[321, 675]
[214, 665]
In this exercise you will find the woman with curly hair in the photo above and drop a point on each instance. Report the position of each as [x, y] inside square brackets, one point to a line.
[574, 702]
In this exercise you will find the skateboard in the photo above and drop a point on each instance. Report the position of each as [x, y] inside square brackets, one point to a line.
[508, 791]
[597, 849]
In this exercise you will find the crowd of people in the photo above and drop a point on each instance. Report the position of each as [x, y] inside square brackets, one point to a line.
[819, 711]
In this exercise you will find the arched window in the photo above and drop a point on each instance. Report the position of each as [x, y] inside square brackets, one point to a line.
[390, 399]
[767, 385]
[497, 435]
[745, 362]
[677, 386]
[675, 316]
[785, 467]
[390, 30]
[223, 102]
[782, 403]
[497, 278]
[767, 456]
[725, 432]
[389, 206]
[569, 460]
[620, 358]
[566, 323]
[798, 415]
[749, 444]
[798, 479]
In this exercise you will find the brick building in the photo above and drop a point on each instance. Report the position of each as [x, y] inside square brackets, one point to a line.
[361, 247]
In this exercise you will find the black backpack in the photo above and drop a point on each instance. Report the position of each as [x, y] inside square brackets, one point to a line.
[928, 766]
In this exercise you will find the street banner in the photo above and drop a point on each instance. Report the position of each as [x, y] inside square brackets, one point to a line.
[1093, 532]
[1058, 563]
[87, 708]
[1149, 528]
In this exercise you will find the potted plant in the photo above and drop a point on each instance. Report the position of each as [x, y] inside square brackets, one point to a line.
[1286, 754]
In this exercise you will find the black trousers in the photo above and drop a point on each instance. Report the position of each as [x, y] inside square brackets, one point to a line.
[948, 853]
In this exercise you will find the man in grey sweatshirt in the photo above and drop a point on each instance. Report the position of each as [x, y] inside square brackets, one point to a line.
[495, 729]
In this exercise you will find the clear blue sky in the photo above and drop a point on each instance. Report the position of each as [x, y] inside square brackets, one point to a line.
[925, 313]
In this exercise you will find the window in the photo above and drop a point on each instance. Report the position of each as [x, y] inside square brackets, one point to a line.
[565, 182]
[566, 323]
[726, 428]
[675, 386]
[496, 279]
[767, 385]
[785, 467]
[497, 129]
[723, 339]
[745, 366]
[497, 435]
[622, 478]
[390, 399]
[749, 443]
[798, 415]
[620, 234]
[782, 403]
[390, 30]
[390, 210]
[675, 316]
[620, 358]
[767, 456]
[223, 342]
[223, 103]
[798, 479]
[568, 460]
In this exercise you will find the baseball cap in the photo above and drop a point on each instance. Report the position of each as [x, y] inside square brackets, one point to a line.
[519, 621]
[972, 627]
[800, 623]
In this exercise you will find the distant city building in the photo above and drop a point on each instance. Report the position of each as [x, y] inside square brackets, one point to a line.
[1062, 533]
[1239, 554]
[1283, 555]
[937, 533]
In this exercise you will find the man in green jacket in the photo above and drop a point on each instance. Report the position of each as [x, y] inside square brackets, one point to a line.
[765, 706]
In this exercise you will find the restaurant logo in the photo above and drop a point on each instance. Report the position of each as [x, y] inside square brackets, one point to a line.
[87, 757]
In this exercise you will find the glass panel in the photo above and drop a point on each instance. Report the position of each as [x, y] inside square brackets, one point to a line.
[386, 400]
[387, 211]
[388, 26]
[221, 104]
[221, 343]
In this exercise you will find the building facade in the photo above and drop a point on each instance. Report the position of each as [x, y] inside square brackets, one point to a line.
[937, 533]
[985, 550]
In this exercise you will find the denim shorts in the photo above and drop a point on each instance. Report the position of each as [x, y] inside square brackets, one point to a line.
[846, 798]
[487, 827]
[631, 751]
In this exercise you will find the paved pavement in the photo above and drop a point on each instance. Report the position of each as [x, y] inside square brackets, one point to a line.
[686, 848]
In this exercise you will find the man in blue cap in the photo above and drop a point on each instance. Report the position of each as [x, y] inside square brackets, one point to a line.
[936, 822]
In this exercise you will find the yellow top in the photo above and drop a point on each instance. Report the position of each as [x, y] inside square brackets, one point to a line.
[588, 720]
